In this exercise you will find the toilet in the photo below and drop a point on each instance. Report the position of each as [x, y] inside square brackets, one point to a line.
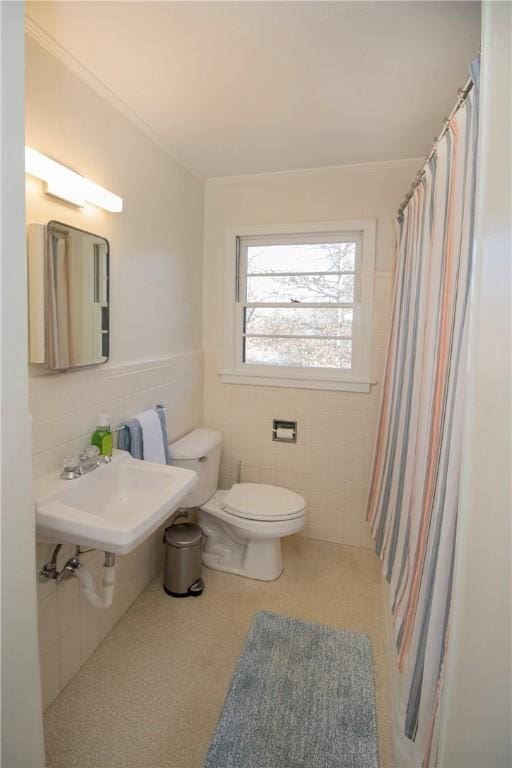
[243, 527]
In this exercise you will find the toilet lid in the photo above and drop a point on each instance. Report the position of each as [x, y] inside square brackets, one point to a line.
[256, 501]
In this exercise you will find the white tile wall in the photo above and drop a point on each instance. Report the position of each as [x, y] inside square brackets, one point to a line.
[156, 291]
[331, 462]
[65, 406]
[64, 413]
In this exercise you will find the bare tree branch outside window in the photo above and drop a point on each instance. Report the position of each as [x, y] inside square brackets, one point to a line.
[312, 289]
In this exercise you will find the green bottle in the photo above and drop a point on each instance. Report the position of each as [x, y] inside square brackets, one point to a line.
[102, 436]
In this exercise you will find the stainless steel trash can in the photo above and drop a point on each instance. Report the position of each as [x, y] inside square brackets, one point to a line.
[182, 570]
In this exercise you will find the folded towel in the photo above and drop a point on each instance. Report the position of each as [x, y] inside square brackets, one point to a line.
[161, 415]
[130, 439]
[145, 436]
[152, 436]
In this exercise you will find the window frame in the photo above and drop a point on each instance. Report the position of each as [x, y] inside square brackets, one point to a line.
[358, 378]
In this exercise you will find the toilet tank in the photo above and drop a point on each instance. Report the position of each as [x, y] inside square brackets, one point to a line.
[199, 450]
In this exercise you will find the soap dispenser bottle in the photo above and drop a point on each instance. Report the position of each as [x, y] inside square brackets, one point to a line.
[102, 436]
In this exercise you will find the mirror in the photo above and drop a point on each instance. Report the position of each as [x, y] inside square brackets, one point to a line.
[75, 279]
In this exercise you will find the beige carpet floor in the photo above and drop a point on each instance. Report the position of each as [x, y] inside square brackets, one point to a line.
[151, 694]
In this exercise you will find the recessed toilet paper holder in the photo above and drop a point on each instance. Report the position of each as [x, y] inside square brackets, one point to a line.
[284, 431]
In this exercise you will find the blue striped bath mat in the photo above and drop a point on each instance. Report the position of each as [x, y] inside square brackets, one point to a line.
[302, 697]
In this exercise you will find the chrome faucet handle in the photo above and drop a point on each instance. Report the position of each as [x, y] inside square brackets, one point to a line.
[71, 462]
[70, 467]
[91, 452]
[87, 460]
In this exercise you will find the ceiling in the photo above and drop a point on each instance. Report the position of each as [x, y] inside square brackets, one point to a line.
[248, 87]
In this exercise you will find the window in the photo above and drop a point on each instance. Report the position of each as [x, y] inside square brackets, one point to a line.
[302, 307]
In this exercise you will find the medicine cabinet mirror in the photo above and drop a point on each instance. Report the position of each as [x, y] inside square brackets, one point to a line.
[68, 296]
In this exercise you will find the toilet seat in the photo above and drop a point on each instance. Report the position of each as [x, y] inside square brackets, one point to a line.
[267, 503]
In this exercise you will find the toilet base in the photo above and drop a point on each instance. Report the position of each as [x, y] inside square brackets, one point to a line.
[261, 560]
[226, 549]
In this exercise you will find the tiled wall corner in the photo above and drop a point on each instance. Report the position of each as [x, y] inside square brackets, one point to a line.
[330, 464]
[65, 406]
[64, 412]
[70, 628]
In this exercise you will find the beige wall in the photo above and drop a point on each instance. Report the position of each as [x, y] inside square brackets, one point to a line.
[330, 464]
[156, 333]
[156, 242]
[22, 733]
[476, 711]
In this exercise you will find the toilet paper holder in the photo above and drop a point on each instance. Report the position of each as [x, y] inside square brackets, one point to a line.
[284, 431]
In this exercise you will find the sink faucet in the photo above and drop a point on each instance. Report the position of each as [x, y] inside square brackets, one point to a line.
[76, 466]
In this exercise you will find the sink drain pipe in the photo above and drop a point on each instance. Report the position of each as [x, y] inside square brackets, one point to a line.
[108, 583]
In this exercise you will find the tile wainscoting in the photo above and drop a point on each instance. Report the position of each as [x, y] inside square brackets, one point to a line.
[64, 411]
[65, 406]
[331, 462]
[329, 465]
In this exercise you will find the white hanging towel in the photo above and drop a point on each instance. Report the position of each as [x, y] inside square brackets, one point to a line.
[152, 436]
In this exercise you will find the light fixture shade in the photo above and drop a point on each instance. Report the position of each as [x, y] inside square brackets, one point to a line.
[102, 197]
[68, 185]
[66, 190]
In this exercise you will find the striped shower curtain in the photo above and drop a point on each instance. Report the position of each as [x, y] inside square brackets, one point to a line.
[414, 490]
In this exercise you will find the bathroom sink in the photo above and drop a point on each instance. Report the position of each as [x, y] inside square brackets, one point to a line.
[114, 507]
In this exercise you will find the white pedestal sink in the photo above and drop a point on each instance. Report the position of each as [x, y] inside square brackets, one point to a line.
[112, 508]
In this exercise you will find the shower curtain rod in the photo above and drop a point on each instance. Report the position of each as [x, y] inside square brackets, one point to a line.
[461, 96]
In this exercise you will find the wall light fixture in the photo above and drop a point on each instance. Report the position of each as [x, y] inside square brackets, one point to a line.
[68, 185]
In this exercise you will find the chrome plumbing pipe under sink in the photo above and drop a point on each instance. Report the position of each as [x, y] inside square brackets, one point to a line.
[73, 567]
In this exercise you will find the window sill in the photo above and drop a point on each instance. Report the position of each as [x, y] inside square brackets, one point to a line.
[335, 384]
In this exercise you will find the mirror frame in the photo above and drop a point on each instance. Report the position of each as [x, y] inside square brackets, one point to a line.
[107, 260]
[38, 247]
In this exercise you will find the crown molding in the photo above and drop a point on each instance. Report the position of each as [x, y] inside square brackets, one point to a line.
[35, 31]
[49, 43]
[374, 165]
